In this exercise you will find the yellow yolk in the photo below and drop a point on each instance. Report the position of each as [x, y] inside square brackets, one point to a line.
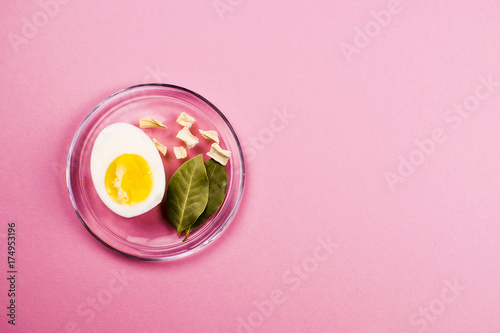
[128, 179]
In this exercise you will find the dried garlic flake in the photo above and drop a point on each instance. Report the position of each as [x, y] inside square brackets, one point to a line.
[180, 152]
[150, 122]
[189, 139]
[161, 148]
[219, 154]
[185, 120]
[212, 135]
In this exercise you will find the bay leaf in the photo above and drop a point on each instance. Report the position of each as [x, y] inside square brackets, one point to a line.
[187, 194]
[217, 183]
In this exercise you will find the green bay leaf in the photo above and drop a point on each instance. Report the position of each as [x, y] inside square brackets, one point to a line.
[187, 194]
[217, 183]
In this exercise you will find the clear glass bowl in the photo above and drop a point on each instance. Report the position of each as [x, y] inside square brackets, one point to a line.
[150, 236]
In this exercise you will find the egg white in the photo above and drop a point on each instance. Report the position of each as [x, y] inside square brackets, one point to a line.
[118, 139]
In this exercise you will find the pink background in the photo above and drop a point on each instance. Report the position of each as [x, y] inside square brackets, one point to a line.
[422, 256]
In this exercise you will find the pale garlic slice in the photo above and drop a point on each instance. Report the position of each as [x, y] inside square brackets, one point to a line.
[149, 123]
[185, 120]
[211, 135]
[189, 139]
[161, 148]
[219, 154]
[180, 152]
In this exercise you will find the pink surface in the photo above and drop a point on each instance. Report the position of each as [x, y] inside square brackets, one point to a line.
[370, 129]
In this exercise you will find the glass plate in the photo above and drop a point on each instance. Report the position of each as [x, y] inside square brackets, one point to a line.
[150, 236]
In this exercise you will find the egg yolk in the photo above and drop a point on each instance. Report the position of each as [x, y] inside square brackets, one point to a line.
[128, 179]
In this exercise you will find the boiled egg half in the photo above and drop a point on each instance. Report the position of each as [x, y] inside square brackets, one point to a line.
[127, 170]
